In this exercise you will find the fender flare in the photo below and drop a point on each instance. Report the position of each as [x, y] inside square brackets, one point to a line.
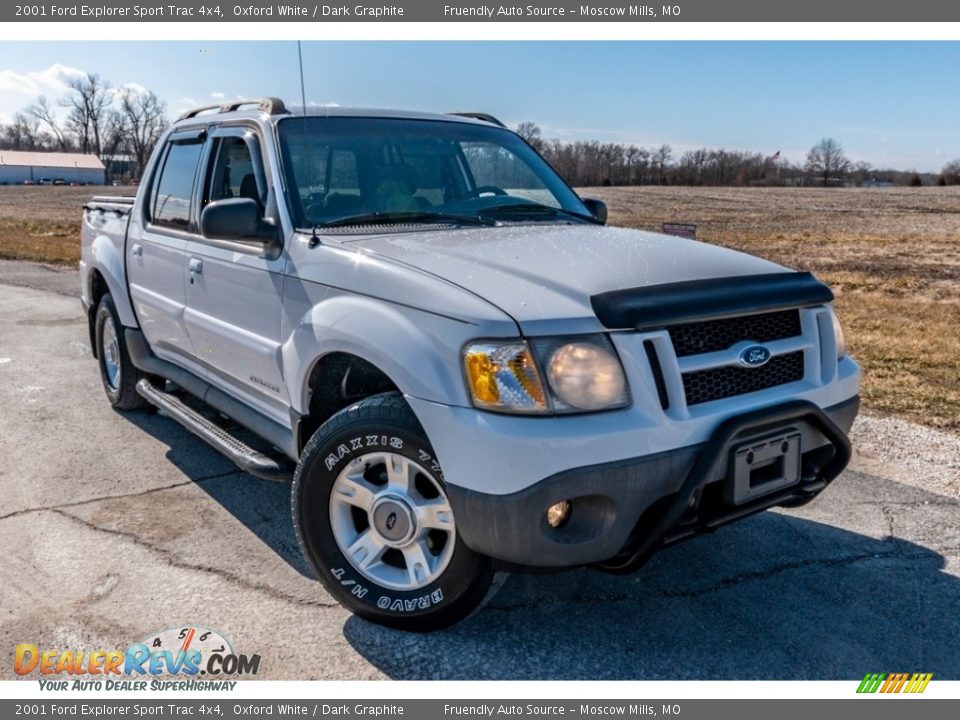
[107, 261]
[395, 339]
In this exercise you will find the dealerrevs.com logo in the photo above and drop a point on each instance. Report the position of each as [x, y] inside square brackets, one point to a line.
[189, 652]
[910, 683]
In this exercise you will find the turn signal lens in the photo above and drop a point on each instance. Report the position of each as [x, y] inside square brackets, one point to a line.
[503, 376]
[839, 339]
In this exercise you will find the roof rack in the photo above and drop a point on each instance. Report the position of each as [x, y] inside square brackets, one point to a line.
[486, 117]
[269, 105]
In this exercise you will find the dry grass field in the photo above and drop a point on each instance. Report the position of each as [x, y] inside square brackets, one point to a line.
[891, 255]
[43, 223]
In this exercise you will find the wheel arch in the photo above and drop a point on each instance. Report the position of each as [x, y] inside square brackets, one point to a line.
[105, 267]
[386, 347]
[335, 381]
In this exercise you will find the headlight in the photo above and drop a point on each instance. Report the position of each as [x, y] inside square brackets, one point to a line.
[583, 374]
[503, 376]
[586, 376]
[838, 338]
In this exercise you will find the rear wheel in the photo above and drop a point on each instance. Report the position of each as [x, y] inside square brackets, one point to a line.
[117, 372]
[372, 516]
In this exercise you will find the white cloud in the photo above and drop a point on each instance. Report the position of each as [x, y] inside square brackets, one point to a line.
[53, 79]
[217, 96]
[115, 93]
[181, 105]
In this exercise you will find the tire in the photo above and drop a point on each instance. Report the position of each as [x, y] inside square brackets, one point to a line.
[117, 372]
[407, 568]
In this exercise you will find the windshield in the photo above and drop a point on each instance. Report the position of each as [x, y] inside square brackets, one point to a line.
[348, 169]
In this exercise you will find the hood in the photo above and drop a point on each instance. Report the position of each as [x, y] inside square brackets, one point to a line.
[543, 276]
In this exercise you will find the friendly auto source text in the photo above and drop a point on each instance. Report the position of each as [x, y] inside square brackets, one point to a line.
[491, 11]
[631, 709]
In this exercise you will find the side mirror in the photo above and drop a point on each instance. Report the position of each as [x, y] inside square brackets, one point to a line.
[232, 219]
[597, 208]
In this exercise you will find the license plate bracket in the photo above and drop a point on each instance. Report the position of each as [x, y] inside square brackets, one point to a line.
[762, 466]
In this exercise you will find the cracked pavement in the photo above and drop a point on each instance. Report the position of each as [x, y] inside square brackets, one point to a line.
[116, 525]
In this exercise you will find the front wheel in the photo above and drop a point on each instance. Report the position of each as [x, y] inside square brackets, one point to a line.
[373, 518]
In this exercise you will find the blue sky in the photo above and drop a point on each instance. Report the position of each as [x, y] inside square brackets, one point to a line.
[893, 104]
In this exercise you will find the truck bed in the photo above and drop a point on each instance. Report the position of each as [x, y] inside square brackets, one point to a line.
[116, 203]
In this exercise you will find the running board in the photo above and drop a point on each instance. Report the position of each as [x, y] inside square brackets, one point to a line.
[242, 455]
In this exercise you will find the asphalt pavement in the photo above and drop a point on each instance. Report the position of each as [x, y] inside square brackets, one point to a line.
[116, 525]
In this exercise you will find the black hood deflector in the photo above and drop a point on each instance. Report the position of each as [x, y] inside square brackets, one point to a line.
[689, 301]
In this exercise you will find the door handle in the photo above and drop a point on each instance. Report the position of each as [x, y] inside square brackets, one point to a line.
[196, 266]
[137, 250]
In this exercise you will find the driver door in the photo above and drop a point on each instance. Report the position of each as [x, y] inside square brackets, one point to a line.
[233, 313]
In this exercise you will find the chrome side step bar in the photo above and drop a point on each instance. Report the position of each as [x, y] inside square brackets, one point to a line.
[242, 455]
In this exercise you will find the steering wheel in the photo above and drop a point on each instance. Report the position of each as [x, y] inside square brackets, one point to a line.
[485, 190]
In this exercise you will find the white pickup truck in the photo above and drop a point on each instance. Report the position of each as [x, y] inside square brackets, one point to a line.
[461, 367]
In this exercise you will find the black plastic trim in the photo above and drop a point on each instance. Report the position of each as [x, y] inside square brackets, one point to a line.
[715, 453]
[611, 497]
[691, 300]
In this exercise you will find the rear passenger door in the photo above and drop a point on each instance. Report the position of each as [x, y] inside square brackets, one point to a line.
[233, 313]
[156, 256]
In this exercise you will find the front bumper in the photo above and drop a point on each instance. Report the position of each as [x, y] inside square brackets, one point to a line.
[624, 511]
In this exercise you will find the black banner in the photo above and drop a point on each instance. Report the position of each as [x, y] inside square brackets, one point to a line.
[454, 11]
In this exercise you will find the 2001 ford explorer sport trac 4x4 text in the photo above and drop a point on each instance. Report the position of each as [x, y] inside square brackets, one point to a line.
[465, 367]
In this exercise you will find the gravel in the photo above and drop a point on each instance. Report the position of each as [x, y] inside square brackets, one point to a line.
[910, 453]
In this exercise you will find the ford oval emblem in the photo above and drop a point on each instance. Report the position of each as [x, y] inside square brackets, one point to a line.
[754, 356]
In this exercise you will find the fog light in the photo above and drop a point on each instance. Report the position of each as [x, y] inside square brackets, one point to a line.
[557, 515]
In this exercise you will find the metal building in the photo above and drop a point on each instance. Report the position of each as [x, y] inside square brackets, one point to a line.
[18, 167]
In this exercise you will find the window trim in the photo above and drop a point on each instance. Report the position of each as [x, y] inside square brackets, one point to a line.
[194, 136]
[250, 134]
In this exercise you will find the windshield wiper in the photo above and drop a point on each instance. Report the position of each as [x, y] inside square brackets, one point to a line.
[389, 218]
[534, 210]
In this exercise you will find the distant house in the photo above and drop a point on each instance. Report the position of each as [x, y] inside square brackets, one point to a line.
[18, 167]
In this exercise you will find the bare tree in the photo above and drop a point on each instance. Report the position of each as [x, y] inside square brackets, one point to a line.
[88, 103]
[530, 132]
[951, 173]
[861, 172]
[143, 119]
[662, 156]
[22, 134]
[44, 113]
[827, 161]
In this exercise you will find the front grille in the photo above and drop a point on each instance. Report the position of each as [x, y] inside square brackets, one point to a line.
[723, 382]
[714, 335]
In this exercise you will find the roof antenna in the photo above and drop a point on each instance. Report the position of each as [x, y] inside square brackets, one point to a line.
[303, 92]
[314, 238]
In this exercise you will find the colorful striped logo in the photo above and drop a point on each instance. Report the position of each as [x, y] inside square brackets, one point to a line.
[894, 682]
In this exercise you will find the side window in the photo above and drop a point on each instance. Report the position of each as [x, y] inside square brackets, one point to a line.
[232, 174]
[171, 202]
